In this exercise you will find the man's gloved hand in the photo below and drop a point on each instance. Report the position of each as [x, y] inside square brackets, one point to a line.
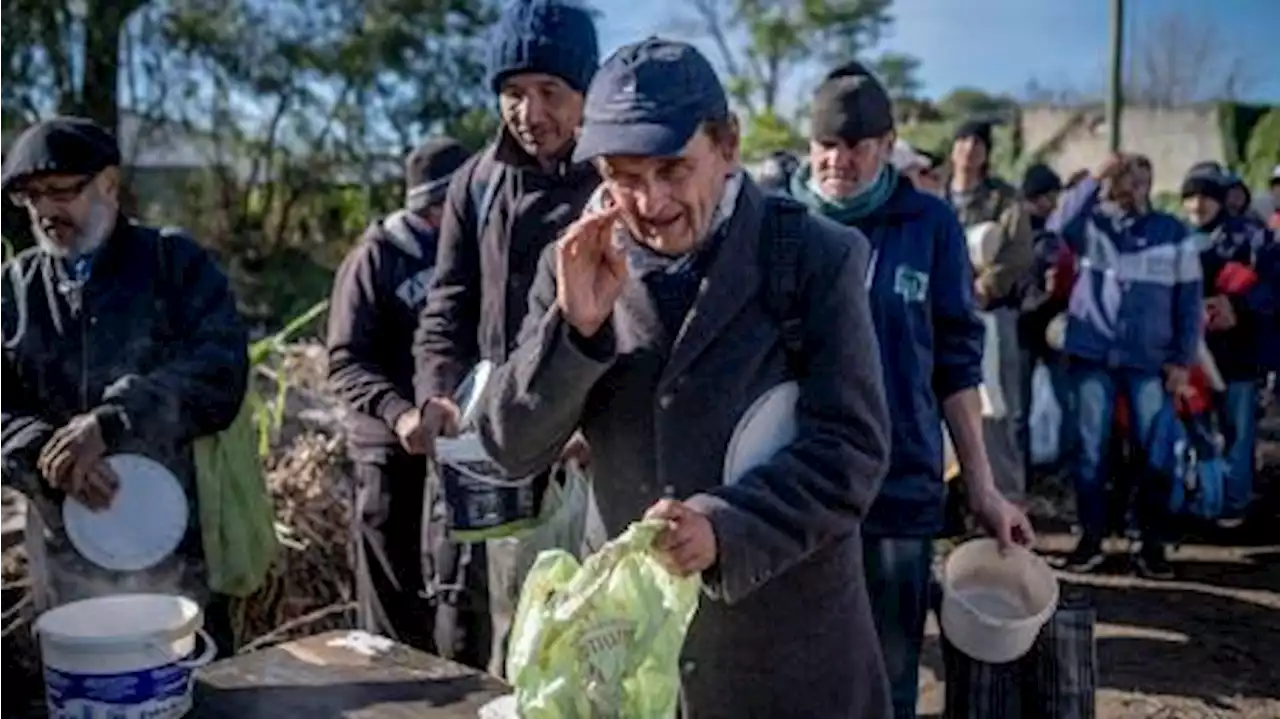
[72, 461]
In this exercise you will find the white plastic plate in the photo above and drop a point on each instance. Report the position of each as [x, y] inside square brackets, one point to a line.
[144, 523]
[767, 426]
[471, 391]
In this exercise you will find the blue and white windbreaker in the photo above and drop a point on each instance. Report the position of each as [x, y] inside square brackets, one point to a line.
[1136, 303]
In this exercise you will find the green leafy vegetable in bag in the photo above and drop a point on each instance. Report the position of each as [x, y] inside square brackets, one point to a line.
[601, 639]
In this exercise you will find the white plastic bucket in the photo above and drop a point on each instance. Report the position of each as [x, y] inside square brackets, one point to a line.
[127, 656]
[481, 502]
[994, 603]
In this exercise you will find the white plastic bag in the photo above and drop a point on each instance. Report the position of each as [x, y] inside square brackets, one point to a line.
[1046, 418]
[993, 405]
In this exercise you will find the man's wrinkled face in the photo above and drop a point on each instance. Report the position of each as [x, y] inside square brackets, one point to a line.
[969, 153]
[842, 169]
[669, 202]
[541, 112]
[1200, 210]
[70, 214]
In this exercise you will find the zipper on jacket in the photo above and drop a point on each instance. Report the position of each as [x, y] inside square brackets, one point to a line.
[76, 299]
[84, 361]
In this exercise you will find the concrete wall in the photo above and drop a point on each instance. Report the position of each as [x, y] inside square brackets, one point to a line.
[1173, 139]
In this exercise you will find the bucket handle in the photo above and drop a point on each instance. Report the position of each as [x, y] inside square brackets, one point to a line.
[206, 656]
[481, 479]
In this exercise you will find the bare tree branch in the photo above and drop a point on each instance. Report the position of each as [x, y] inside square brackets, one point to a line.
[1178, 61]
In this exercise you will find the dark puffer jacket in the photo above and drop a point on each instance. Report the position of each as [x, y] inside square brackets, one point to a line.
[150, 342]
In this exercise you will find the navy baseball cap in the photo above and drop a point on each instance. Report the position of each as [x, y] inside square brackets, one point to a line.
[648, 99]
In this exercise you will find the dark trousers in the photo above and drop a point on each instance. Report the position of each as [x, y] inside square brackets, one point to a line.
[412, 583]
[217, 622]
[898, 571]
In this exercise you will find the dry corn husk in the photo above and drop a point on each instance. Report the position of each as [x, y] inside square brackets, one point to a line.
[312, 493]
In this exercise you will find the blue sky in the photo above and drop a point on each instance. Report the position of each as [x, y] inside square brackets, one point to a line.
[999, 45]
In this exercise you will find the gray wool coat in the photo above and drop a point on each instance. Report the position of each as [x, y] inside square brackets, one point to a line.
[784, 628]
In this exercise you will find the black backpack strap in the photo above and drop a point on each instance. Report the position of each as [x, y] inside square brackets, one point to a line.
[780, 239]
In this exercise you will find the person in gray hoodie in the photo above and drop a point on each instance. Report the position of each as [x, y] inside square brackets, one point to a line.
[377, 294]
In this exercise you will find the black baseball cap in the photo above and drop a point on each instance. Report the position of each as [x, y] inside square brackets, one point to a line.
[648, 99]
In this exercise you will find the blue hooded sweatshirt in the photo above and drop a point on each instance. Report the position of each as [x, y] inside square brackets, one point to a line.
[922, 302]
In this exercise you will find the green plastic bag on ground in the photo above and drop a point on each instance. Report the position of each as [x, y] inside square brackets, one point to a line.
[237, 519]
[601, 639]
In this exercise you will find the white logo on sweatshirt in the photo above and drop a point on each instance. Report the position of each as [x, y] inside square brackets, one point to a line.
[413, 291]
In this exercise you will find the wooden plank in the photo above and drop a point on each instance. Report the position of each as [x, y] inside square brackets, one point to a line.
[341, 674]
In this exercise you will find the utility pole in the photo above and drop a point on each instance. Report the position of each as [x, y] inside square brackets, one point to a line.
[1115, 97]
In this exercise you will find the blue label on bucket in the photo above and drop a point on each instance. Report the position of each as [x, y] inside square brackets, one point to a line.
[158, 693]
[477, 503]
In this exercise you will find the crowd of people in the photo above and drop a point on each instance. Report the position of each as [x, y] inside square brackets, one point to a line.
[637, 290]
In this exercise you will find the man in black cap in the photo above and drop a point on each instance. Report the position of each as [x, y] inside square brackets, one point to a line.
[118, 338]
[980, 198]
[921, 293]
[1044, 291]
[681, 297]
[507, 203]
[378, 293]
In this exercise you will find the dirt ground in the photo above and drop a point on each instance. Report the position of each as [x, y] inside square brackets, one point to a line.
[1203, 646]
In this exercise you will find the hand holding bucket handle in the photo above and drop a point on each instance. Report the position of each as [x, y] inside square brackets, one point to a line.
[418, 428]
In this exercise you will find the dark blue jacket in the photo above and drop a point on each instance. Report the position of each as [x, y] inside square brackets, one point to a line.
[922, 302]
[150, 342]
[1136, 302]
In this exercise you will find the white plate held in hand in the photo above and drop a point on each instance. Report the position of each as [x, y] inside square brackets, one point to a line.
[767, 426]
[144, 524]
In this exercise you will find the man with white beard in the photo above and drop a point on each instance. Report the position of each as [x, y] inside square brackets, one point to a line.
[118, 339]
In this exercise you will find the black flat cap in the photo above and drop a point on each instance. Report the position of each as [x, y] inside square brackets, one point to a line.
[60, 146]
[850, 105]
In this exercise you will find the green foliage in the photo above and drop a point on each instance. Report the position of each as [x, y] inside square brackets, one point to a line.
[1237, 122]
[1170, 202]
[1262, 151]
[475, 128]
[784, 35]
[900, 75]
[765, 133]
[964, 103]
[268, 417]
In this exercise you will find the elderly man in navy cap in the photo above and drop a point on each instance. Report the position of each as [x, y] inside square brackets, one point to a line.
[118, 338]
[682, 296]
[507, 203]
[377, 295]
